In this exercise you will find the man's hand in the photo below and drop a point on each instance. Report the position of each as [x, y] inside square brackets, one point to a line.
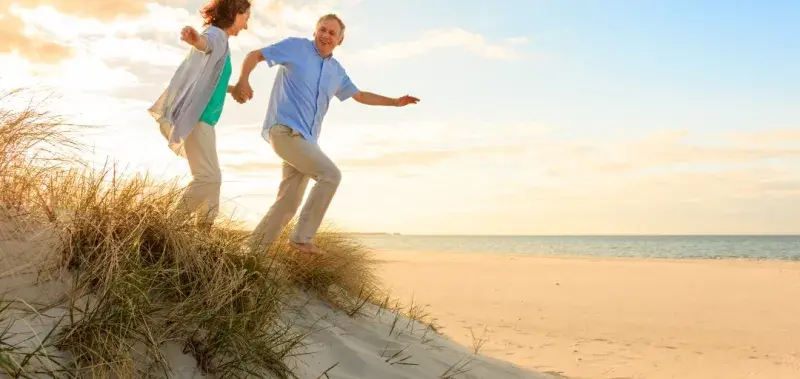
[235, 94]
[369, 98]
[405, 100]
[242, 91]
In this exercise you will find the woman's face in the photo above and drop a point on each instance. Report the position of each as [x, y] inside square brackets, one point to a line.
[240, 22]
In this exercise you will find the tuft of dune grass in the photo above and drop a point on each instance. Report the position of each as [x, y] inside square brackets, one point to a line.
[143, 274]
[344, 275]
[151, 276]
[33, 144]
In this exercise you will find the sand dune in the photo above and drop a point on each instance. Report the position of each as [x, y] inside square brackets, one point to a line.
[614, 318]
[377, 344]
[342, 347]
[367, 347]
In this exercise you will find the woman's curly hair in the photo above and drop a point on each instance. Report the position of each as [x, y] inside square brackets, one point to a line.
[222, 13]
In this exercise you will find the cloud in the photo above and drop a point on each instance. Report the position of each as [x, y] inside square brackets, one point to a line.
[391, 159]
[667, 150]
[149, 37]
[433, 40]
[35, 49]
[781, 187]
[740, 199]
[250, 167]
[102, 9]
[773, 137]
[659, 151]
[517, 40]
[422, 157]
[16, 36]
[273, 19]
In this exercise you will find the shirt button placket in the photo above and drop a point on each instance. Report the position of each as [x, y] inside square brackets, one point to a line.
[321, 94]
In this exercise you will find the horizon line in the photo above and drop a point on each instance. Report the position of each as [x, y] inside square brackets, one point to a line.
[582, 234]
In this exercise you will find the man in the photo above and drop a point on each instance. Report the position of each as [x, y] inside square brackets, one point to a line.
[308, 77]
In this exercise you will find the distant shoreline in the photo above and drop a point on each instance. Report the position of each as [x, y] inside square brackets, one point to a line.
[749, 247]
[569, 235]
[371, 234]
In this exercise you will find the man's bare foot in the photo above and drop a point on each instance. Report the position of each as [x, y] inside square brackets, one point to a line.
[309, 248]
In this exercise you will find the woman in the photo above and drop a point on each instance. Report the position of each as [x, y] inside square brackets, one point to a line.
[190, 107]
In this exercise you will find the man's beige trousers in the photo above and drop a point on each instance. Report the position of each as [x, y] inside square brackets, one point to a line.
[301, 160]
[203, 192]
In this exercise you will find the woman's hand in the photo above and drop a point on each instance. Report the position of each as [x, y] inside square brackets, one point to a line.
[192, 37]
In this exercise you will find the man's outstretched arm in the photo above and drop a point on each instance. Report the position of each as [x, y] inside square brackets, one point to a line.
[370, 98]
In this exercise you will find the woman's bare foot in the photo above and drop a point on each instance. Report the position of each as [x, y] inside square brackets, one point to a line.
[309, 248]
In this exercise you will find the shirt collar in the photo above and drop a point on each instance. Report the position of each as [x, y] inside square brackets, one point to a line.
[317, 50]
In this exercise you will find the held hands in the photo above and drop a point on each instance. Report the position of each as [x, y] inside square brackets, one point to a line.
[242, 92]
[405, 100]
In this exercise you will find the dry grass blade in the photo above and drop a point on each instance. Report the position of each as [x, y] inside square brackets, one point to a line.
[17, 358]
[417, 313]
[33, 144]
[425, 338]
[394, 323]
[344, 276]
[397, 358]
[325, 373]
[384, 304]
[459, 368]
[361, 300]
[477, 342]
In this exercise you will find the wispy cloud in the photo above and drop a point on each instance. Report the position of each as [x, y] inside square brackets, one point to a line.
[434, 40]
[15, 39]
[17, 36]
[393, 159]
[252, 167]
[423, 157]
[675, 149]
[770, 137]
[103, 9]
[274, 19]
[149, 36]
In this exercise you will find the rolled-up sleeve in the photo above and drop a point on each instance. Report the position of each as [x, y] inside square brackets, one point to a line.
[347, 89]
[280, 52]
[214, 39]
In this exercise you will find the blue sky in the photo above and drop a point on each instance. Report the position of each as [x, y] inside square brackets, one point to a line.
[597, 67]
[537, 117]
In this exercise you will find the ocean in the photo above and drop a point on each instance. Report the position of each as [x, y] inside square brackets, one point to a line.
[757, 247]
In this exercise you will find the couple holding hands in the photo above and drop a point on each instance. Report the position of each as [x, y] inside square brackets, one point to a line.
[308, 78]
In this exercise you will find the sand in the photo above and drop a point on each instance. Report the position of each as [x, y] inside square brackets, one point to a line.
[378, 344]
[539, 317]
[368, 347]
[613, 318]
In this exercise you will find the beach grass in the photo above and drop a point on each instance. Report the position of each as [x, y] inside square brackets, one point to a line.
[144, 275]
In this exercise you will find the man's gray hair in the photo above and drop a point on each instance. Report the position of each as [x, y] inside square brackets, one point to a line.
[331, 16]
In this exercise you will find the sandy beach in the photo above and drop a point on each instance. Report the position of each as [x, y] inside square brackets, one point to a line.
[612, 318]
[371, 343]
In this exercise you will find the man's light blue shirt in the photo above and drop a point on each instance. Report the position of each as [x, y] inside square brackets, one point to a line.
[304, 86]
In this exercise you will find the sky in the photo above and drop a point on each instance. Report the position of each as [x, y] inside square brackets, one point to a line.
[536, 116]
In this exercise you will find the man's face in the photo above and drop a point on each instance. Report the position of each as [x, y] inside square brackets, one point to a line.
[327, 36]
